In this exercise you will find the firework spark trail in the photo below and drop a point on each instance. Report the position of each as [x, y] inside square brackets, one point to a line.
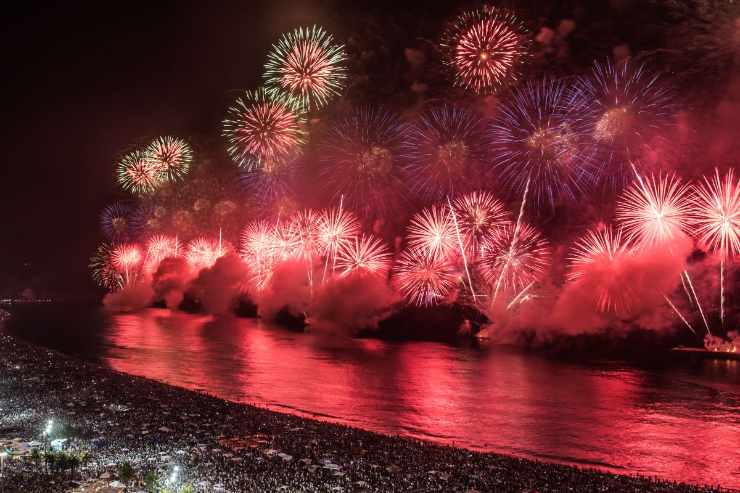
[305, 227]
[334, 255]
[519, 295]
[462, 250]
[361, 159]
[364, 253]
[717, 220]
[602, 252]
[335, 229]
[628, 106]
[696, 298]
[656, 210]
[479, 214]
[679, 314]
[667, 199]
[126, 257]
[721, 291]
[422, 278]
[686, 290]
[513, 242]
[432, 231]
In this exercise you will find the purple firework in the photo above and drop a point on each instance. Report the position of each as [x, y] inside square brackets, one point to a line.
[117, 222]
[361, 160]
[444, 152]
[537, 139]
[627, 108]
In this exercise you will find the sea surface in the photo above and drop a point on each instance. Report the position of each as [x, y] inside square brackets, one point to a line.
[676, 420]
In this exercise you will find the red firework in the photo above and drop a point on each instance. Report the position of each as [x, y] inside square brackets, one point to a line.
[424, 279]
[158, 248]
[597, 259]
[365, 253]
[716, 204]
[171, 157]
[478, 214]
[513, 257]
[286, 243]
[336, 228]
[263, 130]
[204, 252]
[432, 231]
[127, 259]
[304, 227]
[654, 210]
[257, 241]
[126, 256]
[485, 48]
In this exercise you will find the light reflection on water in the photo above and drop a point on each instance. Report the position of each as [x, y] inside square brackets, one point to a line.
[680, 423]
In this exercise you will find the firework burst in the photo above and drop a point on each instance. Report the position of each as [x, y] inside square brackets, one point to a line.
[137, 174]
[513, 257]
[258, 249]
[626, 108]
[204, 252]
[432, 231]
[716, 205]
[286, 244]
[337, 227]
[304, 227]
[424, 280]
[127, 258]
[365, 254]
[479, 214]
[602, 252]
[655, 209]
[361, 160]
[104, 272]
[273, 181]
[306, 64]
[263, 130]
[485, 49]
[158, 248]
[116, 221]
[170, 157]
[536, 138]
[443, 152]
[257, 240]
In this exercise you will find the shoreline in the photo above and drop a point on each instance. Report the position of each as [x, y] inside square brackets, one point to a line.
[220, 445]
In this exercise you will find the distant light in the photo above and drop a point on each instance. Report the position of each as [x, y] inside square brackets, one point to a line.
[173, 476]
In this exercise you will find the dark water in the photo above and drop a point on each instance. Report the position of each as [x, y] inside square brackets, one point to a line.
[680, 421]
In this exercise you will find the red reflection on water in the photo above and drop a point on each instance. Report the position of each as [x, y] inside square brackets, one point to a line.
[674, 423]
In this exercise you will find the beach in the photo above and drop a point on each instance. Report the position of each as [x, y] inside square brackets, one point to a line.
[192, 440]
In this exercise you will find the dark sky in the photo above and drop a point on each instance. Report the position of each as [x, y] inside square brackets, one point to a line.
[82, 82]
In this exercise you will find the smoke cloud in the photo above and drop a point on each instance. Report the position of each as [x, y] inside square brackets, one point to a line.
[352, 303]
[169, 281]
[218, 287]
[288, 288]
[131, 298]
[642, 280]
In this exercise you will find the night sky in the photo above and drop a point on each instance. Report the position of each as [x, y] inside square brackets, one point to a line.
[84, 82]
